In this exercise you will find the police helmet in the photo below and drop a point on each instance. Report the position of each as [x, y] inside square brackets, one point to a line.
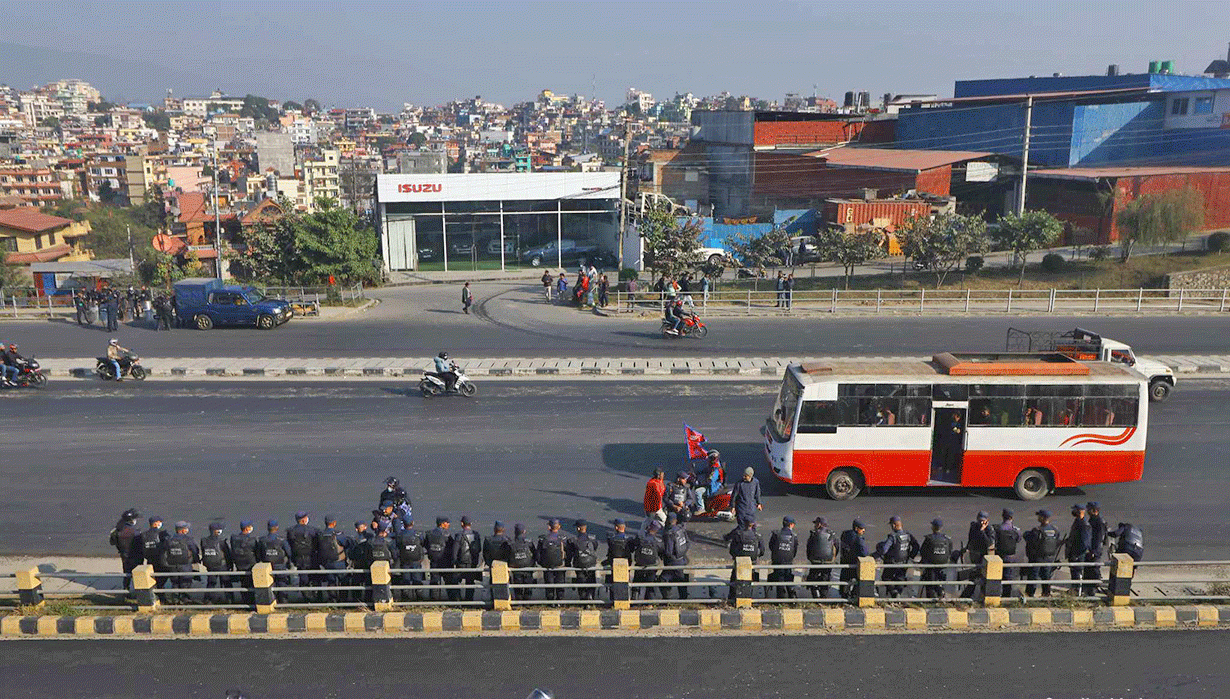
[130, 514]
[443, 355]
[540, 694]
[391, 481]
[114, 341]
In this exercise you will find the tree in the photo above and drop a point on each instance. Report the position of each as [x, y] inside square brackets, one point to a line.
[102, 120]
[1159, 218]
[158, 121]
[153, 213]
[311, 105]
[11, 276]
[309, 248]
[850, 249]
[50, 122]
[106, 193]
[291, 106]
[759, 251]
[418, 140]
[258, 108]
[942, 243]
[671, 248]
[1032, 230]
[99, 106]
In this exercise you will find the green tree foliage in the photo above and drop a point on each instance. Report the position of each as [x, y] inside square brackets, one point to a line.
[99, 106]
[759, 251]
[106, 193]
[11, 276]
[311, 105]
[418, 139]
[291, 106]
[159, 121]
[308, 248]
[943, 242]
[50, 122]
[1165, 217]
[258, 108]
[850, 249]
[153, 213]
[1032, 230]
[670, 248]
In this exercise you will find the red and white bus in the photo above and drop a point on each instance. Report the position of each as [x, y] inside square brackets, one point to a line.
[1028, 422]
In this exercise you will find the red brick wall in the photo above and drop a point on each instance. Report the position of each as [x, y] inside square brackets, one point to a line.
[787, 133]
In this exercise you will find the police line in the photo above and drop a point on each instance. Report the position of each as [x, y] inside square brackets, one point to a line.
[622, 585]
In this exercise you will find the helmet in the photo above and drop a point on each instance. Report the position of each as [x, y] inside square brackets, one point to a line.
[130, 514]
[13, 346]
[114, 341]
[714, 455]
[443, 355]
[391, 481]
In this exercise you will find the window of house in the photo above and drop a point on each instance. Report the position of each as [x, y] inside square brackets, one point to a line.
[8, 244]
[38, 242]
[1203, 105]
[1178, 106]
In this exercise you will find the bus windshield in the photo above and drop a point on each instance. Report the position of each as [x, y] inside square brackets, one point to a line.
[782, 421]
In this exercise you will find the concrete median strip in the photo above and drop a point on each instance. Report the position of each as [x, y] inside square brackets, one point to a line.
[730, 368]
[615, 622]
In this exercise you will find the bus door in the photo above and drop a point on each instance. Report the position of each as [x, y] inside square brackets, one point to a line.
[947, 445]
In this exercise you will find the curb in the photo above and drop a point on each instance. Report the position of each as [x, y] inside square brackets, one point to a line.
[840, 619]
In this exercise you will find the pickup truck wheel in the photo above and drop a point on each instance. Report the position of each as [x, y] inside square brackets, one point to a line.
[715, 260]
[265, 322]
[1159, 390]
[204, 322]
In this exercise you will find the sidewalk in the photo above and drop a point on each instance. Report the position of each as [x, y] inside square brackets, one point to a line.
[769, 368]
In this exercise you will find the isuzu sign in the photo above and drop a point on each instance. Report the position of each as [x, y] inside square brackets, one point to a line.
[419, 188]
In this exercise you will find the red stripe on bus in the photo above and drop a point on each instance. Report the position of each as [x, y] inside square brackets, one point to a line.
[980, 469]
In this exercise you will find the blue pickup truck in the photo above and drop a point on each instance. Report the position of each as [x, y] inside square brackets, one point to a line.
[205, 303]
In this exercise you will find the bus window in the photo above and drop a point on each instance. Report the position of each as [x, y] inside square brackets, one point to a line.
[950, 391]
[915, 411]
[1098, 412]
[787, 403]
[818, 417]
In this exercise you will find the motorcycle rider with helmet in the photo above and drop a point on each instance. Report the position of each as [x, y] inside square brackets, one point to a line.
[10, 361]
[115, 353]
[444, 371]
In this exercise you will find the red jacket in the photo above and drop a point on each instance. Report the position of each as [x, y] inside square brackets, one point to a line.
[654, 490]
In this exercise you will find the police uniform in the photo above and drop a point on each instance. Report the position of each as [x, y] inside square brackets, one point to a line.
[467, 553]
[274, 550]
[783, 547]
[301, 538]
[821, 550]
[520, 555]
[898, 548]
[744, 542]
[216, 558]
[936, 549]
[583, 555]
[437, 543]
[1007, 545]
[1041, 546]
[330, 545]
[1098, 534]
[243, 555]
[126, 540]
[675, 546]
[150, 542]
[1130, 539]
[647, 550]
[1077, 548]
[853, 547]
[179, 555]
[408, 553]
[551, 554]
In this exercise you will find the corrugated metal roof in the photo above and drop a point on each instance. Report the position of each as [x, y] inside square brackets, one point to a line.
[88, 268]
[1097, 173]
[1020, 97]
[895, 159]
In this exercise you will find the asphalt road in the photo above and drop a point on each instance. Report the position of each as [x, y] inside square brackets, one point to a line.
[512, 321]
[1109, 665]
[74, 456]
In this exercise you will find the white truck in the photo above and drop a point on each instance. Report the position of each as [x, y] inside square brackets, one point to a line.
[1087, 346]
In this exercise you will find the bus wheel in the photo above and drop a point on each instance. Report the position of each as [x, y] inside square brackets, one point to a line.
[1159, 390]
[1032, 484]
[844, 484]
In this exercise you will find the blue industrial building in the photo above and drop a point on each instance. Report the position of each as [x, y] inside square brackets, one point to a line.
[1093, 120]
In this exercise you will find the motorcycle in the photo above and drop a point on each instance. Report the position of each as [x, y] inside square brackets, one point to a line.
[692, 326]
[431, 385]
[717, 502]
[129, 366]
[29, 375]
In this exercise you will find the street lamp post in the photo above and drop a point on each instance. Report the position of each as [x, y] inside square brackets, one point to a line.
[217, 216]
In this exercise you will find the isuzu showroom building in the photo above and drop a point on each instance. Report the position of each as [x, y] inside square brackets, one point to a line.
[498, 220]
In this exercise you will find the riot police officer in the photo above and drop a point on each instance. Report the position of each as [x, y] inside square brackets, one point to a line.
[520, 556]
[1041, 546]
[179, 555]
[495, 547]
[898, 548]
[301, 537]
[821, 550]
[936, 549]
[744, 542]
[783, 547]
[583, 555]
[853, 547]
[273, 549]
[150, 542]
[1130, 539]
[1007, 541]
[408, 553]
[675, 545]
[647, 550]
[1077, 547]
[551, 553]
[216, 558]
[439, 555]
[331, 546]
[467, 553]
[243, 554]
[1098, 534]
[126, 540]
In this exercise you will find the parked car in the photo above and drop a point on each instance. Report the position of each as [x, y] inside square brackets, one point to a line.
[206, 303]
[493, 247]
[428, 254]
[565, 251]
[713, 256]
[461, 244]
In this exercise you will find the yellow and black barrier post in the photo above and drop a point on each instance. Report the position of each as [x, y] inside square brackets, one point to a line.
[865, 582]
[501, 593]
[1122, 570]
[381, 581]
[262, 588]
[992, 580]
[29, 588]
[143, 588]
[621, 586]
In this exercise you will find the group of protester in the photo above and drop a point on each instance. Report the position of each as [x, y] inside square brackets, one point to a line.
[592, 288]
[110, 306]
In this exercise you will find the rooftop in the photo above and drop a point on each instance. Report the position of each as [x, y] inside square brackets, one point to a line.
[1097, 173]
[31, 220]
[1021, 368]
[895, 159]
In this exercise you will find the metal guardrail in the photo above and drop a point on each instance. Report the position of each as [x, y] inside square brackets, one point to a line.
[923, 301]
[745, 583]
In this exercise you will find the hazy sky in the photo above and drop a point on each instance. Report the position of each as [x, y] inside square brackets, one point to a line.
[382, 54]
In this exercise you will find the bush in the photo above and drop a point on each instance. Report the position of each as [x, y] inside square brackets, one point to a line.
[1099, 253]
[1219, 242]
[628, 273]
[1053, 262]
[974, 264]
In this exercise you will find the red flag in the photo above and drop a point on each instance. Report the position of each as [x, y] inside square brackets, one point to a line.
[695, 442]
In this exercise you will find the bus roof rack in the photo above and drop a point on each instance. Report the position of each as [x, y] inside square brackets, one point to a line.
[816, 368]
[1008, 364]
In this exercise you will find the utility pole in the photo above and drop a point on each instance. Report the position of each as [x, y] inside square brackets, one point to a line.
[217, 216]
[1029, 113]
[623, 190]
[132, 264]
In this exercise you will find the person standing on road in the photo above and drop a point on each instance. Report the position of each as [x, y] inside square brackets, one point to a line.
[679, 499]
[331, 545]
[618, 543]
[821, 550]
[273, 549]
[1078, 545]
[243, 554]
[781, 289]
[125, 538]
[150, 543]
[551, 555]
[408, 552]
[788, 290]
[1041, 546]
[467, 553]
[743, 541]
[179, 555]
[704, 290]
[302, 540]
[113, 311]
[745, 497]
[1098, 534]
[1130, 539]
[783, 547]
[655, 488]
[561, 286]
[546, 285]
[521, 556]
[675, 545]
[898, 548]
[853, 547]
[1007, 542]
[981, 540]
[216, 558]
[80, 307]
[604, 292]
[632, 287]
[583, 555]
[438, 550]
[936, 549]
[467, 298]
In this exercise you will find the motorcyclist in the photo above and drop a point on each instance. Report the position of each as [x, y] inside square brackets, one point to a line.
[115, 353]
[710, 478]
[10, 360]
[674, 315]
[445, 371]
[395, 495]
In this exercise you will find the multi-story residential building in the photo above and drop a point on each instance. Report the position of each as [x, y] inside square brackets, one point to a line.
[142, 173]
[358, 118]
[74, 95]
[216, 102]
[643, 100]
[35, 186]
[107, 174]
[320, 178]
[38, 106]
[27, 236]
